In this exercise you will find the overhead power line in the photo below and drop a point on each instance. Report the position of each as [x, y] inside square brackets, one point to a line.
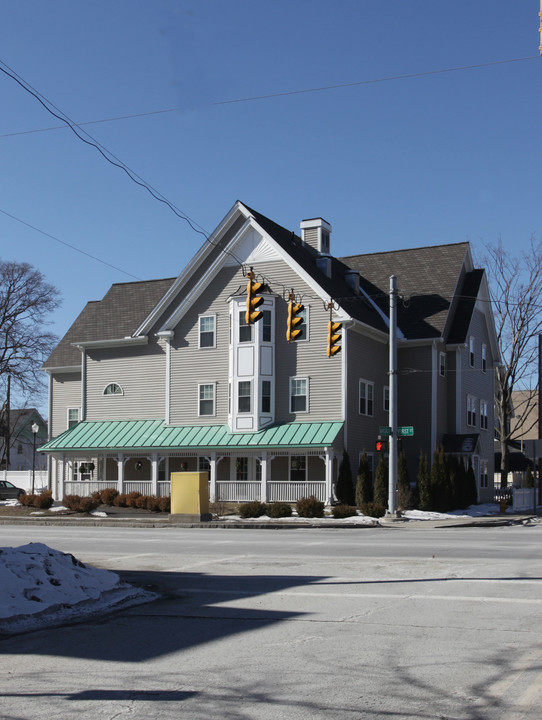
[274, 95]
[374, 80]
[67, 244]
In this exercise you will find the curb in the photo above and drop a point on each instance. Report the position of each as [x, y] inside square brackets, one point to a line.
[165, 523]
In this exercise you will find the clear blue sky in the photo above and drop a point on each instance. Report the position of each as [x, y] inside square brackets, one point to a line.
[440, 158]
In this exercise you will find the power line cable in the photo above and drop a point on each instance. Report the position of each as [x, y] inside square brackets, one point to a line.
[106, 153]
[67, 244]
[90, 122]
[279, 94]
[375, 80]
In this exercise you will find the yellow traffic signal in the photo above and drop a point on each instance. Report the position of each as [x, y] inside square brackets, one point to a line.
[253, 301]
[294, 319]
[333, 337]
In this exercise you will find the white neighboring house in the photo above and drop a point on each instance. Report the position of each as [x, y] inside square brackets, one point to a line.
[22, 438]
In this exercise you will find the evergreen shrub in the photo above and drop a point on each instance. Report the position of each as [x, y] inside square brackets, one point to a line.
[278, 509]
[310, 507]
[343, 511]
[373, 509]
[252, 509]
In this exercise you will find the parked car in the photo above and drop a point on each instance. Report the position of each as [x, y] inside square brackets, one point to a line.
[8, 491]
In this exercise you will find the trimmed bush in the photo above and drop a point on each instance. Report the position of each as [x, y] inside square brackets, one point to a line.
[44, 500]
[165, 503]
[252, 509]
[108, 495]
[71, 502]
[310, 507]
[343, 511]
[97, 495]
[120, 500]
[278, 509]
[27, 499]
[373, 509]
[152, 503]
[131, 498]
[87, 505]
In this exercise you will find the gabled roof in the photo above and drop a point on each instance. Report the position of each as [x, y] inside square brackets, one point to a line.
[468, 294]
[121, 311]
[336, 286]
[427, 280]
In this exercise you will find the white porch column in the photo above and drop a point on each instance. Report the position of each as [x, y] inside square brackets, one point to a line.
[212, 477]
[120, 473]
[329, 456]
[62, 478]
[154, 474]
[263, 485]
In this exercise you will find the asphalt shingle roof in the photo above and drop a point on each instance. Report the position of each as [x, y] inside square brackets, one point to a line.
[118, 315]
[426, 281]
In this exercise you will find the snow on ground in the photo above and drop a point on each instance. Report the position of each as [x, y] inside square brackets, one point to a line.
[359, 519]
[41, 587]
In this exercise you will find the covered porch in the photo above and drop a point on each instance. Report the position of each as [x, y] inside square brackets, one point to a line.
[282, 463]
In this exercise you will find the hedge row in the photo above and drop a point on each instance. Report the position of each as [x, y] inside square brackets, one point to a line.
[43, 500]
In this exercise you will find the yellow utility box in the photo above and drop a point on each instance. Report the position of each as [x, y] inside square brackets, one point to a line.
[190, 496]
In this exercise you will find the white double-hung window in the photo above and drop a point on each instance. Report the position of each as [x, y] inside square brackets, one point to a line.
[207, 399]
[366, 397]
[299, 399]
[207, 331]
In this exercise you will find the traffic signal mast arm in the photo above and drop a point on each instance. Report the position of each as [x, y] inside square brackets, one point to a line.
[253, 301]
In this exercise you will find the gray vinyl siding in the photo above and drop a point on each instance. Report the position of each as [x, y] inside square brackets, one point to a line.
[480, 385]
[191, 365]
[66, 393]
[414, 390]
[368, 360]
[140, 371]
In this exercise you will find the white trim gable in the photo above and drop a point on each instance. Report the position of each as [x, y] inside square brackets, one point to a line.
[192, 266]
[250, 245]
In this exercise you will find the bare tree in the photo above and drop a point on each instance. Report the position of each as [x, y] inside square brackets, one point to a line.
[25, 301]
[515, 284]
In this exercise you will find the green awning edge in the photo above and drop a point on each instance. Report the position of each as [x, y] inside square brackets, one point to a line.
[154, 435]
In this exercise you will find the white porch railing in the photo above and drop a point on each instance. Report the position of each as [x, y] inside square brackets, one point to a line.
[84, 488]
[164, 488]
[140, 486]
[238, 491]
[292, 491]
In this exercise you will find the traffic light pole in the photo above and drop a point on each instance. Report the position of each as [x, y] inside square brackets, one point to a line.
[392, 458]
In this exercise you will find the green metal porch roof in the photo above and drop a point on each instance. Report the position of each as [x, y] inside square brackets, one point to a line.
[125, 435]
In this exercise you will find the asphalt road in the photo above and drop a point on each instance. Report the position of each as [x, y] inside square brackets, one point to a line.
[270, 624]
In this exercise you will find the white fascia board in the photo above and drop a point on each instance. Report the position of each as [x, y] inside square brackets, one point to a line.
[192, 266]
[202, 283]
[62, 369]
[119, 342]
[484, 305]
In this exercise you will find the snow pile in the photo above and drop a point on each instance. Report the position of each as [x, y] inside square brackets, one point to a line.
[41, 587]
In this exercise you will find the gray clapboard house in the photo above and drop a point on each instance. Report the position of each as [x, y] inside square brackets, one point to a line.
[166, 375]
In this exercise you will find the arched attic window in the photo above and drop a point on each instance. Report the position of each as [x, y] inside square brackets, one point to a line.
[113, 389]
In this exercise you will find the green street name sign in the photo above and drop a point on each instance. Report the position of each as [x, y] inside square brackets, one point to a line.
[384, 430]
[405, 431]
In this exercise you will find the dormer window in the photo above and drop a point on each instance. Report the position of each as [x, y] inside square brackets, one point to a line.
[113, 389]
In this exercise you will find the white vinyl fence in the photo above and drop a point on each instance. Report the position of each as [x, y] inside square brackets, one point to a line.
[23, 479]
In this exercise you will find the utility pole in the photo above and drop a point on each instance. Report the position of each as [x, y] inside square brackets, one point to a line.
[8, 422]
[392, 458]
